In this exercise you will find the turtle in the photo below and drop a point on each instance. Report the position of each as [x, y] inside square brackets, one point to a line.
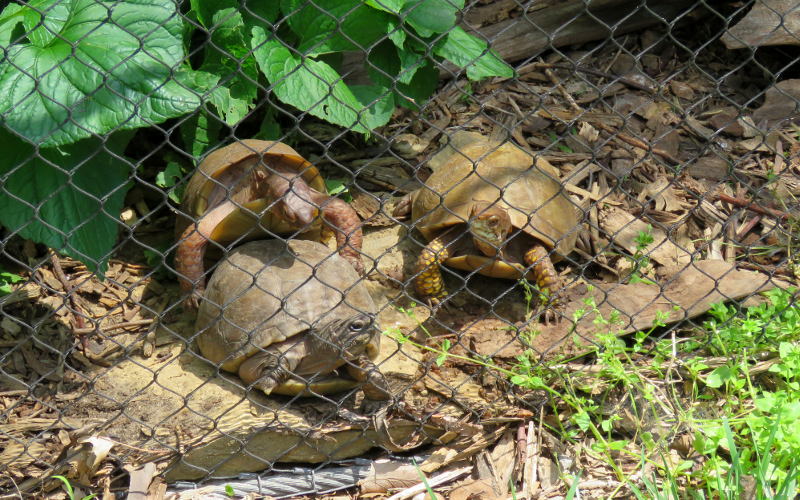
[250, 188]
[285, 315]
[490, 208]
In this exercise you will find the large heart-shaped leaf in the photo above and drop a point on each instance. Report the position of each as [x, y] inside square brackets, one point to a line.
[307, 84]
[90, 67]
[68, 198]
[326, 26]
[432, 16]
[467, 51]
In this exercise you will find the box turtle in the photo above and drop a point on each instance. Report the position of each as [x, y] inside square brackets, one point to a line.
[251, 188]
[490, 208]
[285, 315]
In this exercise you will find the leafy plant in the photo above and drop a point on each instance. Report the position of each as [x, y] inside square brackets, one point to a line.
[338, 187]
[70, 491]
[754, 433]
[6, 280]
[299, 57]
[65, 102]
[68, 104]
[168, 179]
[639, 260]
[428, 489]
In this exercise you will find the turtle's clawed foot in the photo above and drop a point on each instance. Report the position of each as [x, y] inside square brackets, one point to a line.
[192, 302]
[552, 311]
[439, 303]
[550, 316]
[356, 262]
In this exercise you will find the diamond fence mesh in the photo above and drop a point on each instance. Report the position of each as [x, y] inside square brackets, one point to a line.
[241, 235]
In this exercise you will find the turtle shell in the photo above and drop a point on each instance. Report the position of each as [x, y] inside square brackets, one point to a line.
[226, 172]
[268, 291]
[474, 170]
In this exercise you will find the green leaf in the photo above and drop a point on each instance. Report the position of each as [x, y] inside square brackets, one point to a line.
[6, 280]
[467, 51]
[41, 31]
[385, 64]
[428, 17]
[10, 19]
[257, 12]
[442, 357]
[410, 62]
[335, 187]
[68, 198]
[110, 67]
[582, 420]
[205, 10]
[228, 59]
[231, 109]
[378, 103]
[168, 178]
[307, 84]
[396, 33]
[270, 128]
[67, 485]
[334, 25]
[719, 376]
[392, 6]
[200, 132]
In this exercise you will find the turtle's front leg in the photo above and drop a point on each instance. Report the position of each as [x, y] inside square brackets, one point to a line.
[191, 250]
[344, 220]
[375, 385]
[546, 277]
[271, 367]
[428, 281]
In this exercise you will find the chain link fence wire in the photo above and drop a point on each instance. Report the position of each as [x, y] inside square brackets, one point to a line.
[242, 235]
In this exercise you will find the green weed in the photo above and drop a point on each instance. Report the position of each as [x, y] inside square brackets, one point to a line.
[748, 436]
[70, 491]
[6, 280]
[639, 260]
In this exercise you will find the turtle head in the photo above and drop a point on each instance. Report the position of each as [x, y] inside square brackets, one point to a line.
[296, 208]
[489, 226]
[294, 198]
[352, 337]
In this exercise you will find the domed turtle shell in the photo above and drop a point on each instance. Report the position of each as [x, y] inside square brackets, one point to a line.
[268, 291]
[224, 172]
[474, 170]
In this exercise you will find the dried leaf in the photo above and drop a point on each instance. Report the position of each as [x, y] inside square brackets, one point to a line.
[473, 490]
[386, 475]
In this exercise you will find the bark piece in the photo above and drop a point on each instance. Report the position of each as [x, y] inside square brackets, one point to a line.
[769, 22]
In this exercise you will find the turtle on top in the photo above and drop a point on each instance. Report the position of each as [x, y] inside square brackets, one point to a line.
[236, 183]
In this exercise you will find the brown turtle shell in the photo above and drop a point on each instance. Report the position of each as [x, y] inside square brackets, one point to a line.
[230, 167]
[474, 170]
[268, 291]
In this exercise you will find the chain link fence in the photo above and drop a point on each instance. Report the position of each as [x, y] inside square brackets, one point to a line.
[285, 248]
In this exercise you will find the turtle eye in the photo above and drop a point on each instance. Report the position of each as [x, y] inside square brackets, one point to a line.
[357, 325]
[493, 221]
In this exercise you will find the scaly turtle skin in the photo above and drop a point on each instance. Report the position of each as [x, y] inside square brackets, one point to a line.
[246, 189]
[285, 315]
[489, 208]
